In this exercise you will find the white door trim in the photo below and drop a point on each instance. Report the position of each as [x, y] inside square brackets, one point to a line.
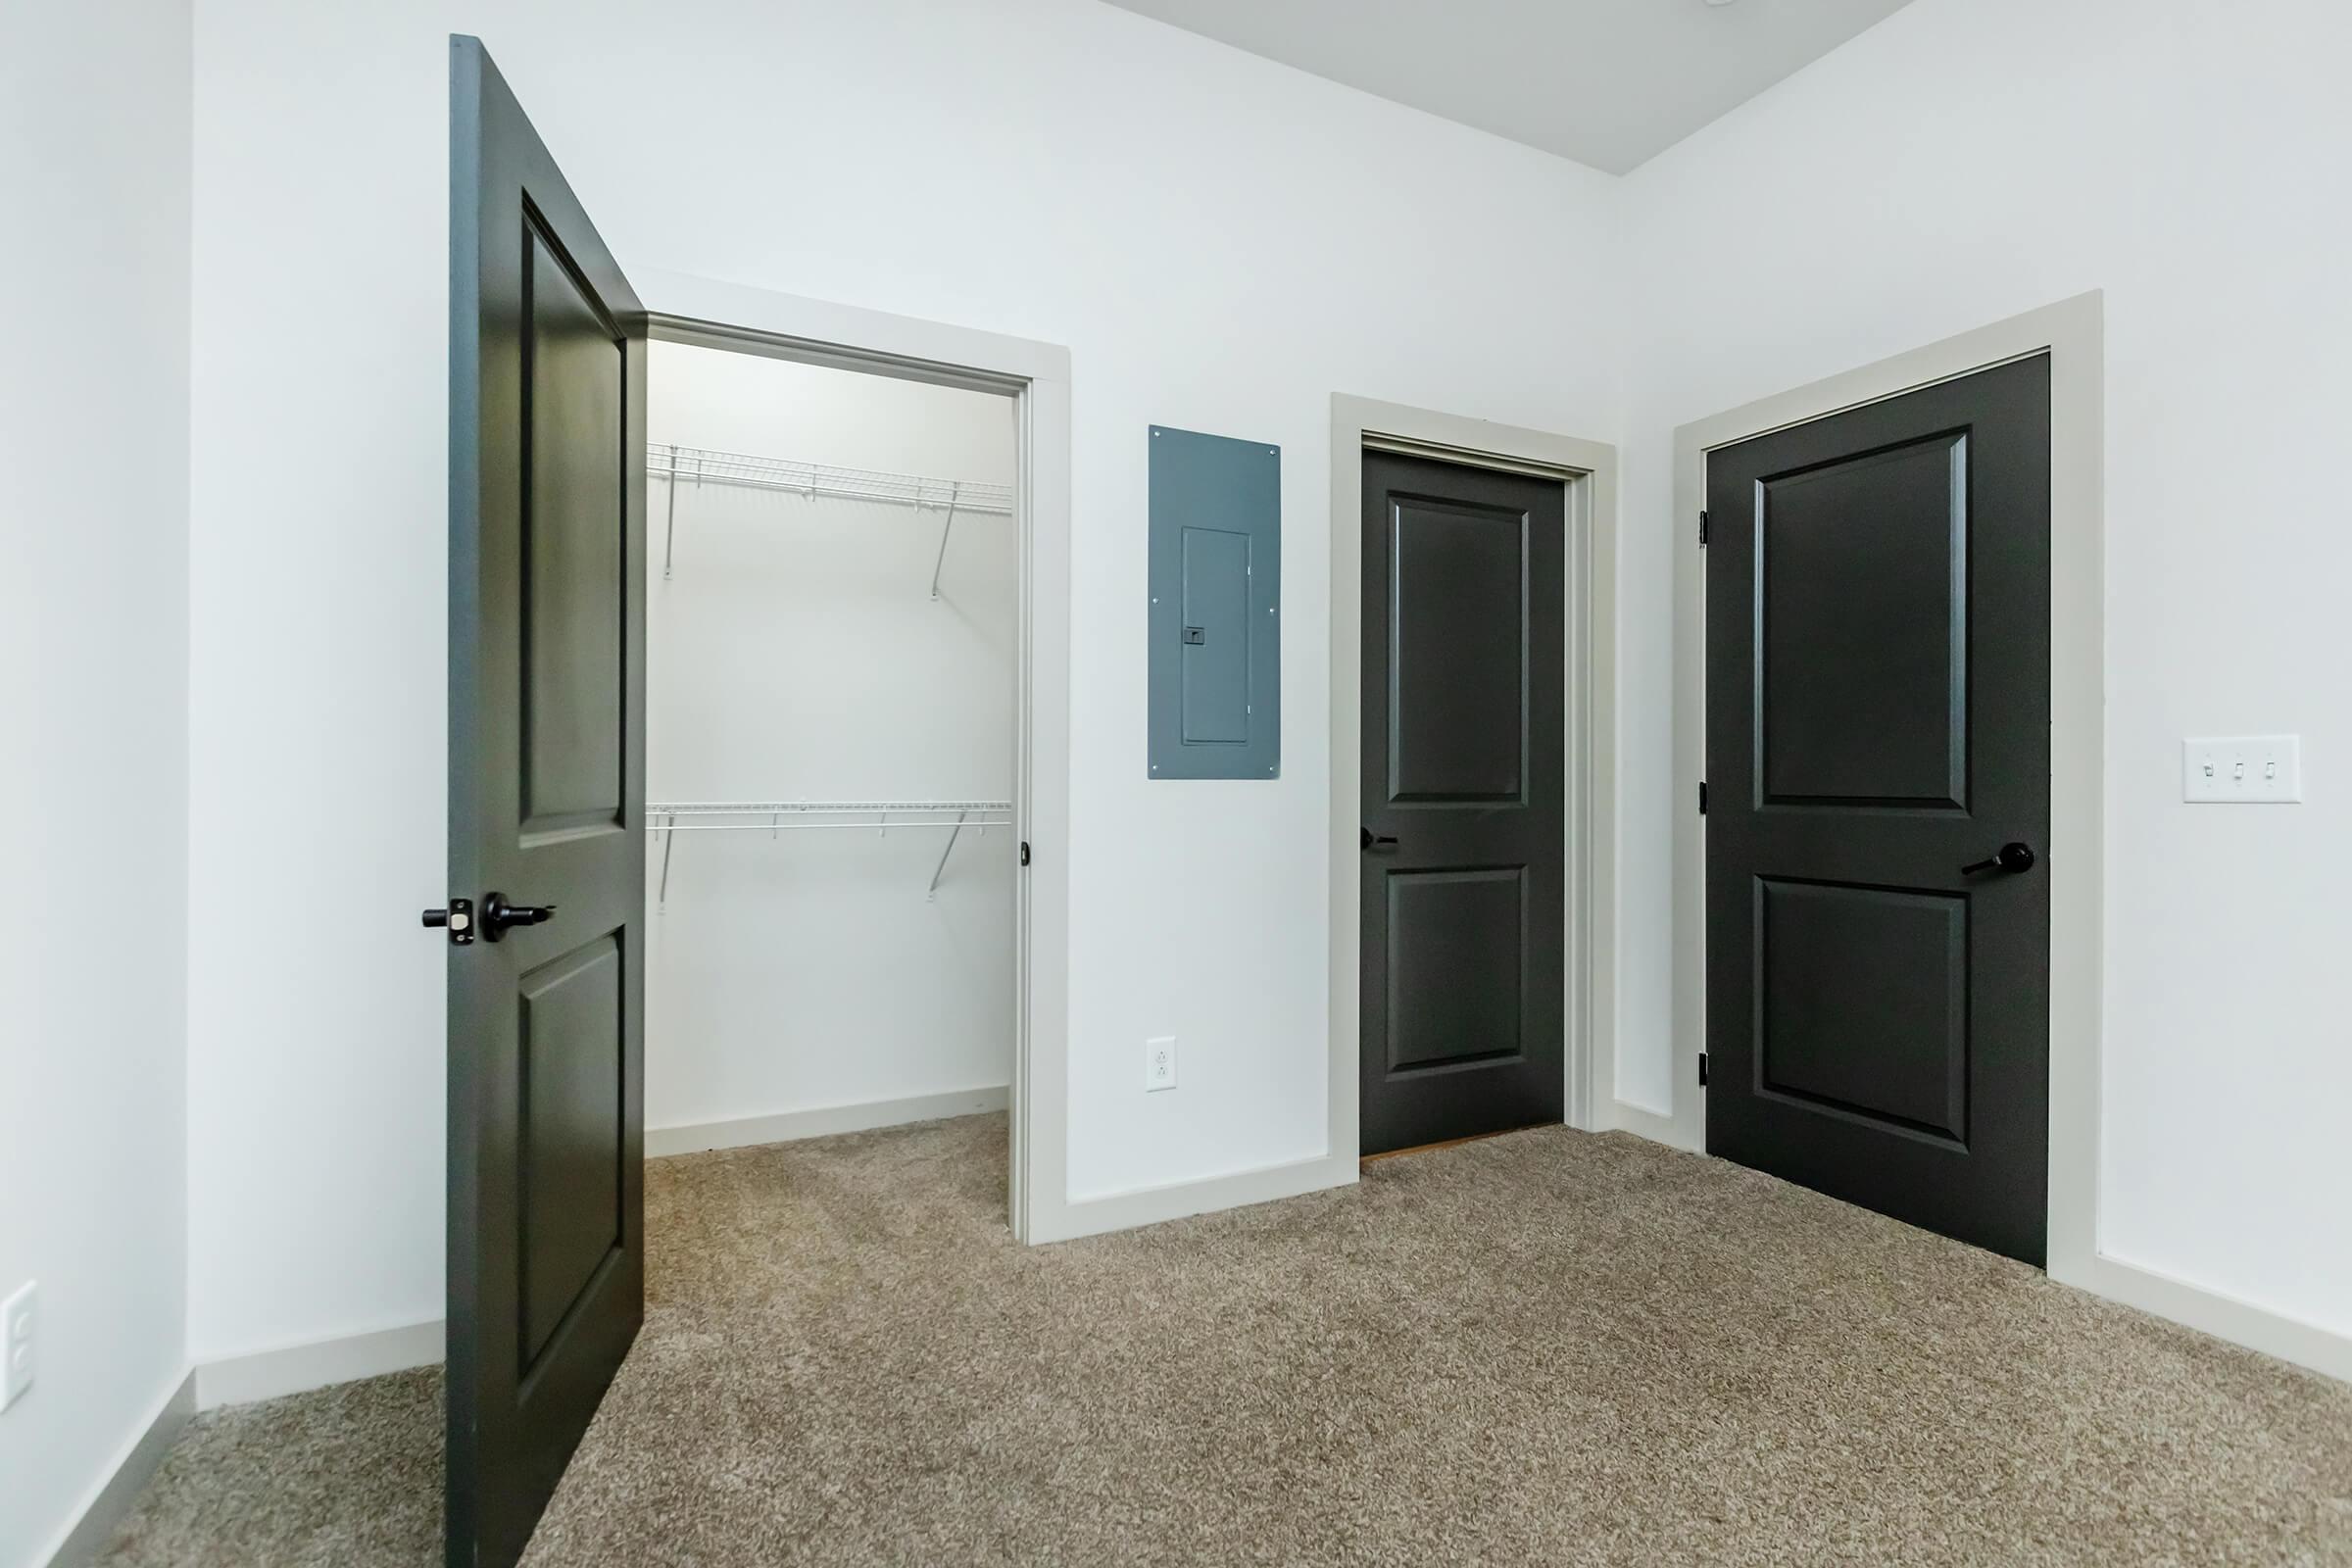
[1037, 378]
[1588, 471]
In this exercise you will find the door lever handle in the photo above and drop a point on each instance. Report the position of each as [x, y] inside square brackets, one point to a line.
[1376, 841]
[498, 915]
[2011, 858]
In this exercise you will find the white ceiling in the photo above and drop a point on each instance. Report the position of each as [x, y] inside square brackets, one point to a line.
[1607, 82]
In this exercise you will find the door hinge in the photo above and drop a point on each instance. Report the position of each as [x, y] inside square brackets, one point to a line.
[1024, 852]
[1702, 797]
[1702, 1069]
[1702, 531]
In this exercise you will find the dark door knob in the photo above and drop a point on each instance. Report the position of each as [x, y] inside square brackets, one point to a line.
[2011, 858]
[1376, 841]
[498, 915]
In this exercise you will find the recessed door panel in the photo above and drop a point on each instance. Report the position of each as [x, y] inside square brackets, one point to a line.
[572, 552]
[1878, 605]
[1457, 652]
[1463, 910]
[573, 1133]
[1864, 1003]
[1862, 582]
[1457, 942]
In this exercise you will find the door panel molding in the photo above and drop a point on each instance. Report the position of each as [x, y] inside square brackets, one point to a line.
[1589, 469]
[2072, 334]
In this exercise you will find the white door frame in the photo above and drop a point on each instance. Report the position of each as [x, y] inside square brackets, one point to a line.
[1587, 469]
[1036, 377]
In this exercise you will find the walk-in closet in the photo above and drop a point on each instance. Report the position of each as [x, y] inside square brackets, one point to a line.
[832, 635]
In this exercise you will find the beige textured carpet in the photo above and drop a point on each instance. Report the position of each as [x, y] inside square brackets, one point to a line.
[1548, 1348]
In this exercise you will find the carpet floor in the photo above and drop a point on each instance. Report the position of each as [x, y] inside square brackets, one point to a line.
[1550, 1348]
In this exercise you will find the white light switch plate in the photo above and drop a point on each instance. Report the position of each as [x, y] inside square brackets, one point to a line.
[1159, 1063]
[2265, 768]
[20, 1317]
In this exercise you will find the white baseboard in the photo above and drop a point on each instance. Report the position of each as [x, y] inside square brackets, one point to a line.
[1149, 1206]
[2223, 1316]
[316, 1364]
[1643, 1122]
[820, 1121]
[110, 1496]
[2209, 1311]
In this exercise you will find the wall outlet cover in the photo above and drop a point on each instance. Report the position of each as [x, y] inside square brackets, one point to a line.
[1159, 1064]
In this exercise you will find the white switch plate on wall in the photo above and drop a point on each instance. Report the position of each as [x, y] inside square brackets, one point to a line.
[19, 1317]
[2265, 768]
[1159, 1063]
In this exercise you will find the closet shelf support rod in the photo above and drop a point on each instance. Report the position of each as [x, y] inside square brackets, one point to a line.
[955, 493]
[931, 893]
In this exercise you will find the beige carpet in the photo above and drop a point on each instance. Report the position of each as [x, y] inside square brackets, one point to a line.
[1550, 1347]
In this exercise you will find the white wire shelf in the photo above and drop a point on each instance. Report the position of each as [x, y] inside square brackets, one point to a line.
[664, 460]
[669, 818]
[680, 464]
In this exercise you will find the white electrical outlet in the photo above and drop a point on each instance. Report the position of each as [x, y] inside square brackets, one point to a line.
[1159, 1063]
[2242, 768]
[20, 1317]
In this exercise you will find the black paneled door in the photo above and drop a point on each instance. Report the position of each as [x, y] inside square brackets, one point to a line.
[546, 807]
[1463, 833]
[1879, 780]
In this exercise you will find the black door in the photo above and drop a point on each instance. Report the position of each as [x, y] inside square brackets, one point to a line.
[546, 795]
[1463, 835]
[1879, 767]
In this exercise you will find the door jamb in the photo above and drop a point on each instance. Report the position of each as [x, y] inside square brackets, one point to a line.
[1036, 377]
[2072, 334]
[1589, 472]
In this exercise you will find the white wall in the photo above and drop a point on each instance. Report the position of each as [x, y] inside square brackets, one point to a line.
[1964, 160]
[1221, 242]
[796, 653]
[93, 441]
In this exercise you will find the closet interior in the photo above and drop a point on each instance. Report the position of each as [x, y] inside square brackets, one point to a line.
[832, 631]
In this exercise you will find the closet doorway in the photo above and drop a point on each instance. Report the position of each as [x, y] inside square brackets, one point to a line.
[833, 637]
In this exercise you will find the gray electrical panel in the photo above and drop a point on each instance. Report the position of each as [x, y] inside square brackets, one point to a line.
[1217, 598]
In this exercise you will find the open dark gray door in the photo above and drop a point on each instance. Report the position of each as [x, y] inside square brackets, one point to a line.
[546, 818]
[1879, 774]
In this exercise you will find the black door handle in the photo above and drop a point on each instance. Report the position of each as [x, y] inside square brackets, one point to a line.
[2012, 857]
[1376, 841]
[498, 914]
